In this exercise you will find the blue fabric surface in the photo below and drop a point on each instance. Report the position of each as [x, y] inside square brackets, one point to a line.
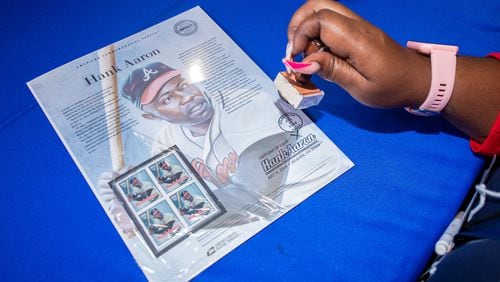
[378, 222]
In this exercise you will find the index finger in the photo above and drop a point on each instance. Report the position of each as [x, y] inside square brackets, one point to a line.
[311, 7]
[333, 29]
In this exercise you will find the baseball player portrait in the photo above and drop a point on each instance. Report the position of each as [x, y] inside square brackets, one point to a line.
[193, 204]
[161, 225]
[171, 174]
[161, 93]
[139, 190]
[223, 147]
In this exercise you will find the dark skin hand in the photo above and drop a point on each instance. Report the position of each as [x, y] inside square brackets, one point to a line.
[380, 73]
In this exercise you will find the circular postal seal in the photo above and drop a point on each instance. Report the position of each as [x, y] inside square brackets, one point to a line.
[185, 27]
[290, 122]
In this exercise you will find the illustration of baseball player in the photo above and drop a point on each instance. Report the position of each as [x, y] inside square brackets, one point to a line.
[213, 140]
[170, 174]
[223, 147]
[139, 190]
[162, 223]
[193, 205]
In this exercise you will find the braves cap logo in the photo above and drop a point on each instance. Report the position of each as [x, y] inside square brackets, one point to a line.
[147, 73]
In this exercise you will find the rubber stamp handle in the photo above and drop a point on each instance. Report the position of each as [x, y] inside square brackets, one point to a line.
[313, 46]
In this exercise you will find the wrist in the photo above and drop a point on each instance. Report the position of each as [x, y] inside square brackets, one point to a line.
[443, 68]
[473, 108]
[418, 80]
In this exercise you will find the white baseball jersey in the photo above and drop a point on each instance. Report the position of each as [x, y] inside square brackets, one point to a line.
[167, 217]
[173, 170]
[138, 190]
[227, 157]
[216, 155]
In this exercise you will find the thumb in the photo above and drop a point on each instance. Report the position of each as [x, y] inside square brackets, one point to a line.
[337, 70]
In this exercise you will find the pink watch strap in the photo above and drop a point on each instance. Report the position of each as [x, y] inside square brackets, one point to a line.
[443, 63]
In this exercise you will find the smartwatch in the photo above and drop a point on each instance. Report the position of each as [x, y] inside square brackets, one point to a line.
[443, 65]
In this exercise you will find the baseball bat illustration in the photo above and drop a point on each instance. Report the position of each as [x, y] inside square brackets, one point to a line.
[109, 86]
[107, 62]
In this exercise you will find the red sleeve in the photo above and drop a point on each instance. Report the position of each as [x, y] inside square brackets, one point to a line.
[491, 145]
[494, 55]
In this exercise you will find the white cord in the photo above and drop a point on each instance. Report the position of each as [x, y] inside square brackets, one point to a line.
[482, 190]
[446, 241]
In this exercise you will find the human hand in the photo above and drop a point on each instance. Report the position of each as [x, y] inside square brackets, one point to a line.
[361, 58]
[113, 205]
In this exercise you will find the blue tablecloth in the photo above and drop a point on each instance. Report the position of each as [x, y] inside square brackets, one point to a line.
[378, 222]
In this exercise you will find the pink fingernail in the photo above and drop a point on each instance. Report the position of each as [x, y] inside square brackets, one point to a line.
[302, 67]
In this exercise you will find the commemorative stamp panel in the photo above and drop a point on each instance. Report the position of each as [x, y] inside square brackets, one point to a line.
[167, 199]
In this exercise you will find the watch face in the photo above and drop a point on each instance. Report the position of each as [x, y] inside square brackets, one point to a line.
[420, 112]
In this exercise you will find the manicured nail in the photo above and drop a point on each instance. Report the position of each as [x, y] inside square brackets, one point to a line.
[302, 67]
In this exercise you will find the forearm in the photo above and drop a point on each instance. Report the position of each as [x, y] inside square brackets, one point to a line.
[380, 73]
[475, 102]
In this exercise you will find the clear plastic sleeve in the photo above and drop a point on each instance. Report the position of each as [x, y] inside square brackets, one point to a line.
[185, 142]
